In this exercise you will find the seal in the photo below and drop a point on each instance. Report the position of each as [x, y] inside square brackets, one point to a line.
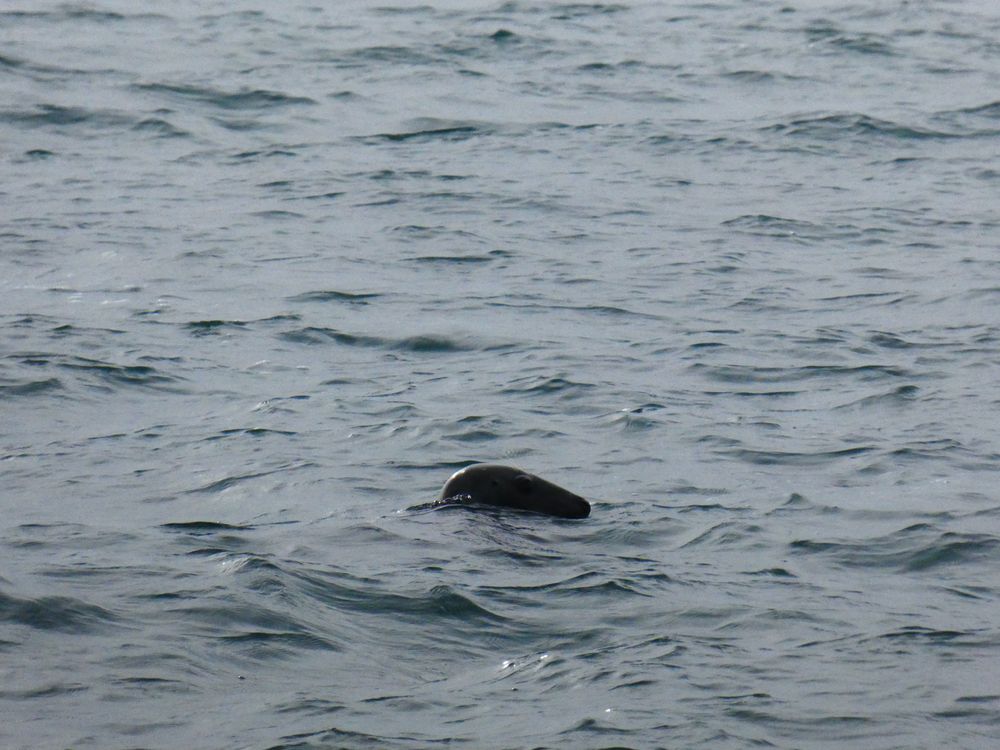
[509, 487]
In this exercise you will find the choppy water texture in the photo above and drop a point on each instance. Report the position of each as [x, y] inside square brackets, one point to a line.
[269, 275]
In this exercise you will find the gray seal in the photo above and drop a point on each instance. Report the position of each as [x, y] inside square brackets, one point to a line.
[508, 487]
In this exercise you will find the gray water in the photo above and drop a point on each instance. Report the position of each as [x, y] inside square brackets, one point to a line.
[271, 273]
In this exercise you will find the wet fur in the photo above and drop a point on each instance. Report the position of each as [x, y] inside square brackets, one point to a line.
[510, 487]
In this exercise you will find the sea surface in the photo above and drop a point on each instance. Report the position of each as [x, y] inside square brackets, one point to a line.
[270, 273]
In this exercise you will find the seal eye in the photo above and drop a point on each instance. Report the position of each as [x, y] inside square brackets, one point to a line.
[524, 484]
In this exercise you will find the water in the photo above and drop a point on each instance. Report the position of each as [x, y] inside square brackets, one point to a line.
[269, 276]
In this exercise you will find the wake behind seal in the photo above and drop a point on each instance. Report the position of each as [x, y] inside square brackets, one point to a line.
[510, 487]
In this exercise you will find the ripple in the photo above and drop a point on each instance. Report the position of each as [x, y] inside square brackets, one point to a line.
[245, 99]
[916, 548]
[30, 388]
[63, 614]
[354, 298]
[421, 344]
[836, 127]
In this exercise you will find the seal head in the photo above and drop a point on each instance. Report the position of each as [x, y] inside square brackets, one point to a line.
[508, 487]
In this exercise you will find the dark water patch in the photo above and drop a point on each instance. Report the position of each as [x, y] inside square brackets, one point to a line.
[503, 36]
[425, 344]
[572, 11]
[976, 593]
[728, 534]
[161, 128]
[829, 128]
[866, 44]
[645, 584]
[63, 614]
[584, 731]
[565, 585]
[250, 99]
[311, 706]
[969, 121]
[476, 434]
[254, 155]
[455, 132]
[403, 56]
[200, 528]
[278, 214]
[987, 698]
[797, 503]
[404, 10]
[775, 226]
[991, 110]
[315, 335]
[780, 573]
[75, 12]
[758, 76]
[429, 130]
[983, 292]
[67, 536]
[248, 125]
[762, 394]
[31, 388]
[602, 67]
[693, 489]
[874, 298]
[954, 548]
[10, 62]
[629, 539]
[52, 115]
[141, 376]
[154, 687]
[211, 327]
[366, 596]
[334, 737]
[392, 200]
[220, 485]
[47, 73]
[281, 317]
[424, 232]
[199, 552]
[331, 195]
[606, 311]
[264, 644]
[918, 633]
[256, 631]
[889, 340]
[708, 345]
[792, 458]
[255, 432]
[897, 397]
[924, 450]
[460, 260]
[548, 386]
[67, 329]
[770, 374]
[352, 298]
[49, 690]
[91, 373]
[916, 549]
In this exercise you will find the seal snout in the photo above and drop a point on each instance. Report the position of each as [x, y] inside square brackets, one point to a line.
[573, 506]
